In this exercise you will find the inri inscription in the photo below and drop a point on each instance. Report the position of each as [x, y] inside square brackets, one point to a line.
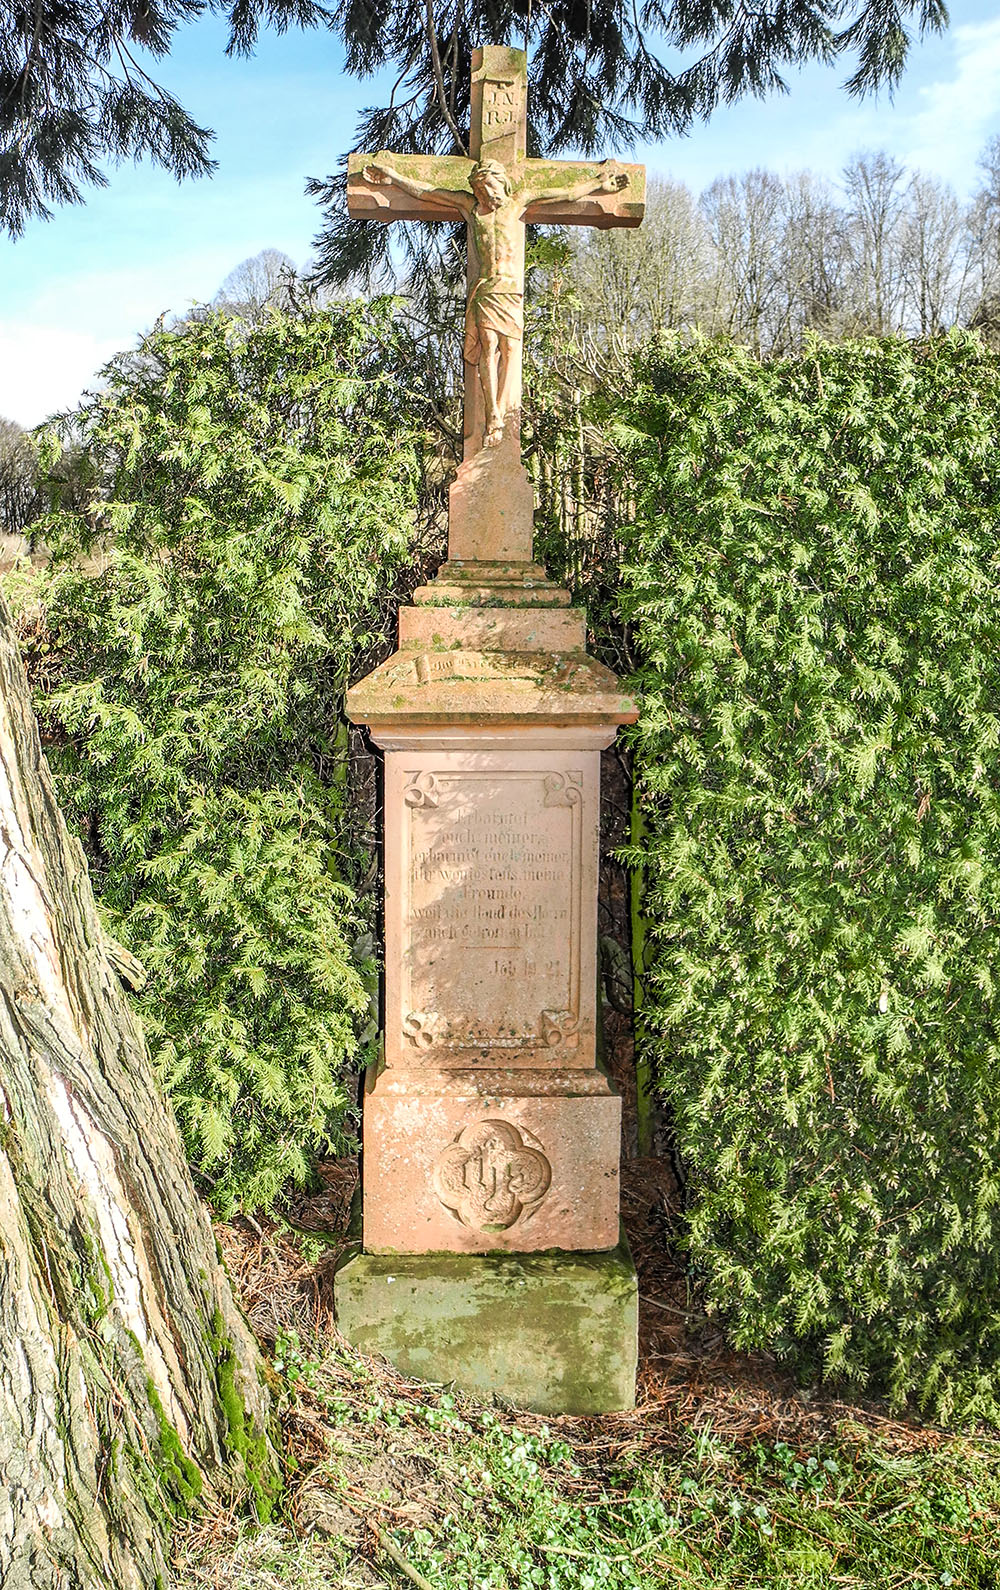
[491, 941]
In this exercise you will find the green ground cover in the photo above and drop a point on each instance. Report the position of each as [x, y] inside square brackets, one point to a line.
[474, 1498]
[395, 1483]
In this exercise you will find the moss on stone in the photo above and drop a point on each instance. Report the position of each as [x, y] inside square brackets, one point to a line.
[556, 1331]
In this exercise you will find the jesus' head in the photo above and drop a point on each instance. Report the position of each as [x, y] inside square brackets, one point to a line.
[490, 184]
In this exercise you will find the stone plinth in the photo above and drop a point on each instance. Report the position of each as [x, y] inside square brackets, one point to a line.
[554, 1332]
[483, 1162]
[489, 1127]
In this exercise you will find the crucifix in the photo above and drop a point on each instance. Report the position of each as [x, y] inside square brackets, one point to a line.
[495, 190]
[492, 1252]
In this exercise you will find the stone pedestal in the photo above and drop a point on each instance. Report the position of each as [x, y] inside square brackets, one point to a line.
[490, 1135]
[553, 1332]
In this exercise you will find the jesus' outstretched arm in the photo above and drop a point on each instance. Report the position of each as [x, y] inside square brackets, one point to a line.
[611, 180]
[380, 173]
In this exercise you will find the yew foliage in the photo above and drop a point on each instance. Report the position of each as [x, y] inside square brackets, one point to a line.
[253, 504]
[807, 558]
[814, 584]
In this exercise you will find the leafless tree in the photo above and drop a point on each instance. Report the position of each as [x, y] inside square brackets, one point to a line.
[875, 189]
[266, 280]
[814, 260]
[19, 497]
[984, 245]
[745, 225]
[767, 259]
[935, 251]
[632, 285]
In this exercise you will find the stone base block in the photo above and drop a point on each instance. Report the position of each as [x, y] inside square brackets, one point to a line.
[552, 1332]
[491, 505]
[465, 1172]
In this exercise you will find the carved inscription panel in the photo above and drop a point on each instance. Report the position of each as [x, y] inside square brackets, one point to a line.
[501, 102]
[498, 883]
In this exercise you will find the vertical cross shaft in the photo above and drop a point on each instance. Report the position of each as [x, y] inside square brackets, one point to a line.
[498, 131]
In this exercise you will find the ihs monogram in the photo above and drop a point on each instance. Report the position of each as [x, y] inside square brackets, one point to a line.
[489, 1176]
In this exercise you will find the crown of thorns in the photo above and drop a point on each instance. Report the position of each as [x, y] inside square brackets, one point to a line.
[491, 168]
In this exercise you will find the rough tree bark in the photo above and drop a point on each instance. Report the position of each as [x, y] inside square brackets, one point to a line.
[129, 1382]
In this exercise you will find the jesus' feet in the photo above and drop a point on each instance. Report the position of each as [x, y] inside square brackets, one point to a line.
[494, 434]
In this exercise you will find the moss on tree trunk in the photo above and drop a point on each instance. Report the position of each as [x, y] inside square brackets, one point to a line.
[129, 1382]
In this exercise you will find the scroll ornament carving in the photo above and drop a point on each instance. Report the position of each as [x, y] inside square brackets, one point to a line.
[560, 1027]
[563, 789]
[419, 1026]
[489, 1176]
[421, 789]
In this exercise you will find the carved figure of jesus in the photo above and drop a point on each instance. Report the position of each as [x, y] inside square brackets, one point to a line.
[493, 204]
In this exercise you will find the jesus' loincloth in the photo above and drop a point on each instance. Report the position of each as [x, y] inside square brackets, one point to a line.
[491, 308]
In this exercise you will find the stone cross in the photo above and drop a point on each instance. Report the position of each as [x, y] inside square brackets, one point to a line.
[492, 1253]
[495, 190]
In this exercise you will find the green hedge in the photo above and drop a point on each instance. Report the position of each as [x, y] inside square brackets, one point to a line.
[813, 582]
[253, 497]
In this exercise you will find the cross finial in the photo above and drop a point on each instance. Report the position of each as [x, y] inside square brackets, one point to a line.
[499, 129]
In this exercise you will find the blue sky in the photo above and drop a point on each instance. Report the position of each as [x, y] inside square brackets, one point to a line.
[77, 288]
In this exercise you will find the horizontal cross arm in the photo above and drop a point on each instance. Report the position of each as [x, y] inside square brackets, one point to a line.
[567, 205]
[376, 201]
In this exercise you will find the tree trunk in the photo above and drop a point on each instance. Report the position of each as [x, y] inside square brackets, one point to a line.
[129, 1382]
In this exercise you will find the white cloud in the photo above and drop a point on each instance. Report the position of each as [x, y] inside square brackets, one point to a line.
[73, 322]
[47, 359]
[123, 301]
[958, 114]
[941, 115]
[45, 368]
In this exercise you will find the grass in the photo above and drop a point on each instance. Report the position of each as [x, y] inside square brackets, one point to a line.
[394, 1483]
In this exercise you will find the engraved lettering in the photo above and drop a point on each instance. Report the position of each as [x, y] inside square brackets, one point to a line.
[493, 882]
[499, 105]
